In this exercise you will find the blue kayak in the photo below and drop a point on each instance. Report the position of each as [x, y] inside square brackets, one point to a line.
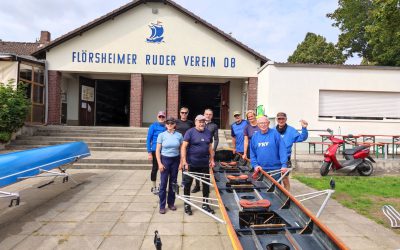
[30, 162]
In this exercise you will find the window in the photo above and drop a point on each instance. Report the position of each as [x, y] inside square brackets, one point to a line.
[359, 105]
[33, 77]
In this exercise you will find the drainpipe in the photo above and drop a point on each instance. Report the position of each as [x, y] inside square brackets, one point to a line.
[46, 86]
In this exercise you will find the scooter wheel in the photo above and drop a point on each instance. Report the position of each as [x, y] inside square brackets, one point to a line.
[325, 167]
[366, 168]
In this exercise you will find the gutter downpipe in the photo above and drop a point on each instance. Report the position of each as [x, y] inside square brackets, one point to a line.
[46, 83]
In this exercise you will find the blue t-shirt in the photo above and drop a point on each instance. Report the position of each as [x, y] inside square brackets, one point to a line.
[170, 143]
[237, 131]
[291, 136]
[154, 130]
[250, 130]
[198, 153]
[268, 150]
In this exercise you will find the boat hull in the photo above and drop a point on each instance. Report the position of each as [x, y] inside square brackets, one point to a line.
[15, 165]
[285, 224]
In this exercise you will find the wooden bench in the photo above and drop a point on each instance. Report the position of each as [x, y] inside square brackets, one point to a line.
[312, 144]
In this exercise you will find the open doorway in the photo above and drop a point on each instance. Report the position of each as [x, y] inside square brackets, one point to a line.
[112, 103]
[198, 97]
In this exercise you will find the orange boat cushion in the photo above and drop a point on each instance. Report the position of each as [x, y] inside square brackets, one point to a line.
[255, 204]
[237, 177]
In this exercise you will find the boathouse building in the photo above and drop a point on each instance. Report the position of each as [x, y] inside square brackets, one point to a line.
[150, 55]
[146, 56]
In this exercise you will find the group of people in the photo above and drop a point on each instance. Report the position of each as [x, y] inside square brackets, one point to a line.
[179, 144]
[269, 149]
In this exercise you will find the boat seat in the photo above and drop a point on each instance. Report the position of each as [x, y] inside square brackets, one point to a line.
[237, 177]
[255, 204]
[354, 150]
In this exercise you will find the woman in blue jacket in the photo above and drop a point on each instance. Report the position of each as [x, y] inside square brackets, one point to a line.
[154, 130]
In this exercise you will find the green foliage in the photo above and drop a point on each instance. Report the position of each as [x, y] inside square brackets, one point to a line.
[315, 49]
[366, 195]
[13, 107]
[5, 136]
[369, 28]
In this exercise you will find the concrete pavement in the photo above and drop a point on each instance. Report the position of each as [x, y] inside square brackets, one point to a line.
[113, 209]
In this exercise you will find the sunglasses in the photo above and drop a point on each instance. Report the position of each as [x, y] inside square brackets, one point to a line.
[170, 123]
[184, 113]
[280, 119]
[162, 117]
[236, 116]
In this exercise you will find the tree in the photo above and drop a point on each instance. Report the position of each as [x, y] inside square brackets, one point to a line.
[315, 49]
[13, 109]
[369, 28]
[384, 32]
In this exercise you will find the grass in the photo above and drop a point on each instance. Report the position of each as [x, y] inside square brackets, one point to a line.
[365, 195]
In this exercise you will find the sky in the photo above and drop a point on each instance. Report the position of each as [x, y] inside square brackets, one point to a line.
[273, 28]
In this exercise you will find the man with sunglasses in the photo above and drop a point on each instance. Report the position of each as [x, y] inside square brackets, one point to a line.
[151, 143]
[183, 124]
[290, 135]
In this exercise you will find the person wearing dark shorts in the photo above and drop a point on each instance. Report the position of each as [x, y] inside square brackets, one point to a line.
[168, 158]
[197, 155]
[151, 143]
[290, 135]
[183, 124]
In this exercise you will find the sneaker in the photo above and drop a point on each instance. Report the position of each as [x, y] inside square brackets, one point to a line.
[172, 207]
[162, 211]
[155, 190]
[188, 210]
[207, 208]
[196, 189]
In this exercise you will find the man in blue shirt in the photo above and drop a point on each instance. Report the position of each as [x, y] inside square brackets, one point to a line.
[197, 156]
[267, 149]
[237, 133]
[290, 135]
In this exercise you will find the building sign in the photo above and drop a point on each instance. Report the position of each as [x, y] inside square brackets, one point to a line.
[87, 93]
[91, 57]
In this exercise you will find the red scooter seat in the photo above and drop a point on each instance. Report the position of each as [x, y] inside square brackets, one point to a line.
[255, 204]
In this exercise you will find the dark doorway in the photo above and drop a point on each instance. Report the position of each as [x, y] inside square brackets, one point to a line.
[87, 90]
[198, 97]
[112, 103]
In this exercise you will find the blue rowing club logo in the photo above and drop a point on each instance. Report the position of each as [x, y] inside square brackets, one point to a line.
[157, 32]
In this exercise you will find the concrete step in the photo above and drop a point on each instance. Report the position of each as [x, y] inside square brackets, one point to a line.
[82, 128]
[84, 134]
[90, 160]
[90, 144]
[86, 139]
[109, 149]
[112, 166]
